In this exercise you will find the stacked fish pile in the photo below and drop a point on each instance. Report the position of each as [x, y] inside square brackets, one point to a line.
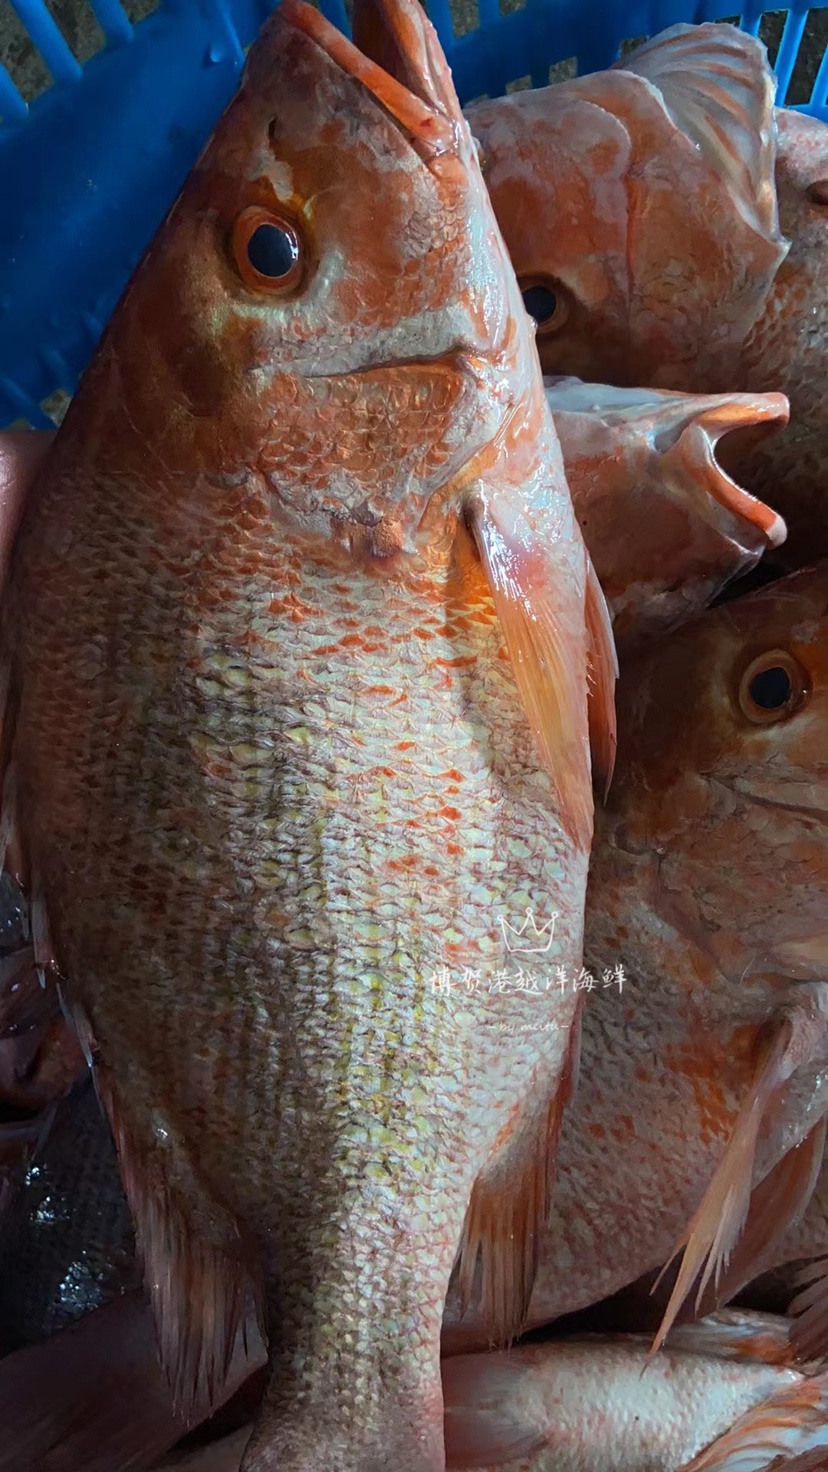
[410, 1046]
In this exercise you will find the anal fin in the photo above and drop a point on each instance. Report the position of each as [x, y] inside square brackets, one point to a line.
[708, 1242]
[509, 1208]
[776, 1204]
[809, 1310]
[201, 1296]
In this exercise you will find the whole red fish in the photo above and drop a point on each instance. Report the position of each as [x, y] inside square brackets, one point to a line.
[669, 228]
[299, 631]
[700, 1117]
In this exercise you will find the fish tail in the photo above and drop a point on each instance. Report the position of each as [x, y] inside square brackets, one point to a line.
[790, 1431]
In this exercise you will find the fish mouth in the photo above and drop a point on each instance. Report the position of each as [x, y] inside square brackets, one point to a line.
[398, 60]
[802, 799]
[756, 415]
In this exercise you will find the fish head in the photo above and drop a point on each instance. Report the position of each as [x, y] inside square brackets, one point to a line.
[722, 778]
[333, 259]
[666, 526]
[639, 207]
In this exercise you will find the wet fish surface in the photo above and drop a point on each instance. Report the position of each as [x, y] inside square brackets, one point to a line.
[300, 629]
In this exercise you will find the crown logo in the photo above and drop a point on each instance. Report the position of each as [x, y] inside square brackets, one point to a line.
[529, 938]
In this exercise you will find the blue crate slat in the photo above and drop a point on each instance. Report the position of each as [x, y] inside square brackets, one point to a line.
[489, 13]
[11, 103]
[337, 14]
[49, 40]
[94, 163]
[113, 20]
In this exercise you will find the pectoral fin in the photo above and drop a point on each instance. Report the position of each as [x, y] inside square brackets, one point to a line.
[549, 655]
[719, 90]
[603, 667]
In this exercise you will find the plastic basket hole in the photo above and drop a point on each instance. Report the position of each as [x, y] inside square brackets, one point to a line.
[77, 21]
[563, 71]
[56, 404]
[631, 43]
[79, 27]
[808, 59]
[520, 84]
[137, 9]
[23, 63]
[465, 16]
[771, 27]
[17, 424]
[508, 7]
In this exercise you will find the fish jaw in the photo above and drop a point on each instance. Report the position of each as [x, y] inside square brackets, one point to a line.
[648, 458]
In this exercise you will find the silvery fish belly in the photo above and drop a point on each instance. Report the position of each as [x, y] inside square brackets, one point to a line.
[299, 633]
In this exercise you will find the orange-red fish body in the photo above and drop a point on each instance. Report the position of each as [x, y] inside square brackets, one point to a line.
[704, 1066]
[280, 804]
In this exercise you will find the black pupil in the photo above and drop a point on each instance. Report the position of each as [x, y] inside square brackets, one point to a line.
[540, 303]
[771, 689]
[271, 251]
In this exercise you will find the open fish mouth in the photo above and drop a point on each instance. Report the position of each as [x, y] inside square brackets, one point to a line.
[745, 415]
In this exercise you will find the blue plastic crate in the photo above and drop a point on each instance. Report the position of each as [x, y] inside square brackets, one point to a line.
[88, 172]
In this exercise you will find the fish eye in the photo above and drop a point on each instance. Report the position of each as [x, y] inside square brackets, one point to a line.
[545, 301]
[266, 250]
[773, 687]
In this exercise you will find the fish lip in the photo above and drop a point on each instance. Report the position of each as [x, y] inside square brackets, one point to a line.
[766, 794]
[429, 130]
[711, 425]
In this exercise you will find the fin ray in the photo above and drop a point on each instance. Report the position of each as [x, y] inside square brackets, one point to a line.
[200, 1295]
[719, 90]
[603, 663]
[551, 683]
[713, 1230]
[509, 1208]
